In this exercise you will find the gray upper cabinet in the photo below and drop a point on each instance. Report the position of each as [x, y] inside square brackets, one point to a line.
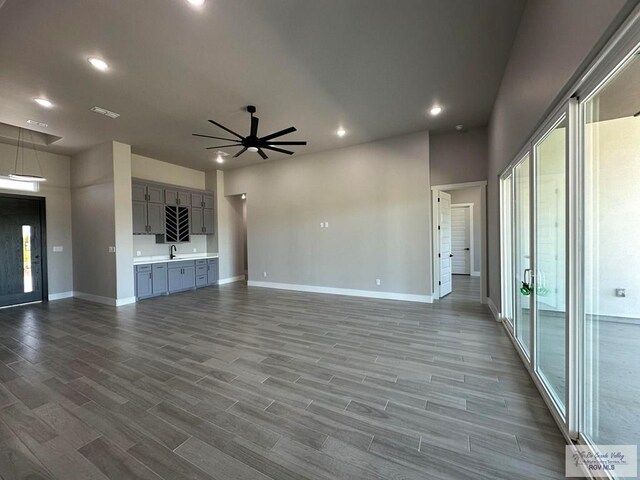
[171, 213]
[177, 197]
[196, 220]
[208, 221]
[148, 210]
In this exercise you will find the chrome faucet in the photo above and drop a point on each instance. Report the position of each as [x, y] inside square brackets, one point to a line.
[172, 252]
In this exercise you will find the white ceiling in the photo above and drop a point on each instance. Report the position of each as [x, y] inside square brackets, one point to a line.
[373, 66]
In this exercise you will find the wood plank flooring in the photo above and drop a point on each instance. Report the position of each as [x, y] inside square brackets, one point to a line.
[234, 382]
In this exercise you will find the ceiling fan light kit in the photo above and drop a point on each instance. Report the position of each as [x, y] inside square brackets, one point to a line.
[252, 142]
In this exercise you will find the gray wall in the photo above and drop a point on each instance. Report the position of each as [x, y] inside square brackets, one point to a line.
[555, 40]
[458, 157]
[230, 229]
[57, 193]
[472, 195]
[376, 198]
[93, 217]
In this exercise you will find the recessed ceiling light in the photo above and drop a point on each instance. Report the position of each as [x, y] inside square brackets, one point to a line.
[219, 159]
[459, 127]
[98, 64]
[196, 3]
[435, 110]
[43, 102]
[341, 132]
[253, 149]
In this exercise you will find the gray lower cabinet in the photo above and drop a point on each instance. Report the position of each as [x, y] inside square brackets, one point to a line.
[160, 279]
[164, 278]
[144, 281]
[181, 276]
[212, 271]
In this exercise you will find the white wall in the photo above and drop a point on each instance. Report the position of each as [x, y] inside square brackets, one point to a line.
[123, 220]
[472, 195]
[57, 193]
[376, 198]
[613, 220]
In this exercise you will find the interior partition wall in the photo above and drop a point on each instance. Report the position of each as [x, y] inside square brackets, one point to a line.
[570, 269]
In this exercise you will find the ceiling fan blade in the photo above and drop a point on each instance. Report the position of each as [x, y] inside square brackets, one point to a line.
[209, 136]
[254, 125]
[277, 134]
[240, 152]
[288, 152]
[225, 146]
[225, 128]
[286, 143]
[262, 154]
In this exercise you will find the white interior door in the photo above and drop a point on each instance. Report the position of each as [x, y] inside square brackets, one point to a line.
[461, 240]
[444, 227]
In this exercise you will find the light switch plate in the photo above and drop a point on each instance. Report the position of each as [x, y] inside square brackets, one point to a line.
[58, 248]
[112, 249]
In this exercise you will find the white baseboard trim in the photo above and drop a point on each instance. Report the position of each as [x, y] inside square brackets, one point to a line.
[224, 281]
[475, 274]
[125, 301]
[105, 300]
[494, 310]
[406, 297]
[60, 296]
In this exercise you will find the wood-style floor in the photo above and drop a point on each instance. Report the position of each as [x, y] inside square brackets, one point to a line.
[247, 383]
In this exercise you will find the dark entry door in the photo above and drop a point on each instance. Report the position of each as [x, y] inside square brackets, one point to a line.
[21, 250]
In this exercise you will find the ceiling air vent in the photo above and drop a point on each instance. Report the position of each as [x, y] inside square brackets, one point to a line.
[105, 112]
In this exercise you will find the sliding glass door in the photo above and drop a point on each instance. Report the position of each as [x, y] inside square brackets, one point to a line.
[611, 307]
[570, 224]
[550, 166]
[522, 253]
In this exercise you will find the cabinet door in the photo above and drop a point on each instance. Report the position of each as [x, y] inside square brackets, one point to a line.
[212, 273]
[155, 217]
[208, 201]
[138, 192]
[189, 277]
[207, 221]
[196, 220]
[140, 217]
[143, 284]
[196, 200]
[174, 279]
[170, 196]
[184, 199]
[159, 278]
[155, 194]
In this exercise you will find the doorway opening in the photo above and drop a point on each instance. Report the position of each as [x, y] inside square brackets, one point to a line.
[459, 240]
[23, 275]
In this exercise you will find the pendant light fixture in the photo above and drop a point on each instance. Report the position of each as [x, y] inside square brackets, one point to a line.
[19, 173]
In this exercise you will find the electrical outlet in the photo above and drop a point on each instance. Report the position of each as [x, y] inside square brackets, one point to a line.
[326, 224]
[621, 292]
[321, 224]
[377, 281]
[195, 250]
[112, 250]
[138, 253]
[58, 249]
[264, 274]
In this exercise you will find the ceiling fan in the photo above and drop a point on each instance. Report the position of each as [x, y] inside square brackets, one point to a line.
[252, 142]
